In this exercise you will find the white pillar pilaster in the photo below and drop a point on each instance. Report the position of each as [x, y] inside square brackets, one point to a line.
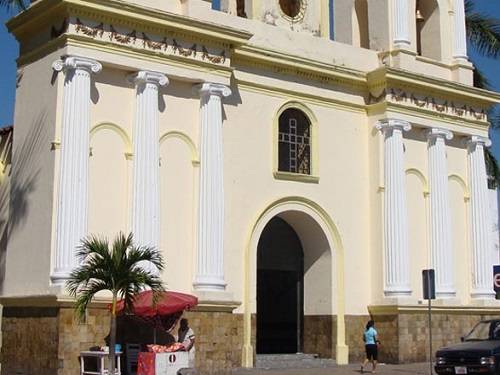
[482, 260]
[441, 247]
[146, 170]
[459, 31]
[210, 241]
[396, 254]
[72, 201]
[400, 21]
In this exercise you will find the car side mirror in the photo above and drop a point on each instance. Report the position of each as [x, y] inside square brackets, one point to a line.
[462, 339]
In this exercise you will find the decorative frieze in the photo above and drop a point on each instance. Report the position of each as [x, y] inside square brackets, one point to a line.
[165, 44]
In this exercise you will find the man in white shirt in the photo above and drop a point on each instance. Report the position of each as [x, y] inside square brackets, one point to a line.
[186, 337]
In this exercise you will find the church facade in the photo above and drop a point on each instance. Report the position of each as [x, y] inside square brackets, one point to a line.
[298, 163]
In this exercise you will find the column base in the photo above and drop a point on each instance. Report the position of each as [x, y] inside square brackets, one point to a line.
[485, 294]
[342, 354]
[59, 278]
[214, 296]
[209, 284]
[397, 292]
[445, 294]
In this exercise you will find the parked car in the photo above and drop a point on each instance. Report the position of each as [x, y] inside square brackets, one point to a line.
[479, 352]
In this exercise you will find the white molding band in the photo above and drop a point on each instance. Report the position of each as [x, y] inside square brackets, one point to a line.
[401, 34]
[440, 216]
[210, 239]
[72, 199]
[396, 252]
[146, 170]
[459, 31]
[482, 245]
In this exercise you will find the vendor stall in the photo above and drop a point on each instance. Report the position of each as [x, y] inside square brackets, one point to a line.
[149, 329]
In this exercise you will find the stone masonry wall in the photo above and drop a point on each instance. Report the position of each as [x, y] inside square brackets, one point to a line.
[30, 341]
[219, 339]
[318, 333]
[75, 336]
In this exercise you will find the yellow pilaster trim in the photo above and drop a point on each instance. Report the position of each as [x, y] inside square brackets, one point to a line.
[278, 206]
[325, 19]
[116, 129]
[187, 140]
[459, 179]
[425, 184]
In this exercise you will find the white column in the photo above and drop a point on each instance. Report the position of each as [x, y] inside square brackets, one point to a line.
[482, 260]
[210, 260]
[396, 255]
[71, 224]
[441, 249]
[400, 12]
[459, 34]
[146, 171]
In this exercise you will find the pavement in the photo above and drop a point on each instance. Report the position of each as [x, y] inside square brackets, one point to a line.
[383, 369]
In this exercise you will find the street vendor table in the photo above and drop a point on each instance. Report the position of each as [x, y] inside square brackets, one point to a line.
[99, 357]
[161, 363]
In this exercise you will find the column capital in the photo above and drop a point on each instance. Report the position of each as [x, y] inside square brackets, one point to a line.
[433, 133]
[218, 89]
[147, 76]
[390, 124]
[478, 140]
[76, 62]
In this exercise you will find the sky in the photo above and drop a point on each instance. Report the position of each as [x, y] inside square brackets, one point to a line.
[9, 52]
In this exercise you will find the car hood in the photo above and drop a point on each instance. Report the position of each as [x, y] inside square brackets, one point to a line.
[477, 347]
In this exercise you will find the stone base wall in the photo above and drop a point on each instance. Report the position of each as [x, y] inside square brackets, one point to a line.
[30, 341]
[319, 335]
[48, 340]
[75, 336]
[219, 339]
[405, 336]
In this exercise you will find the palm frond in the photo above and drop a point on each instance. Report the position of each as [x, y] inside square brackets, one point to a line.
[492, 169]
[13, 5]
[483, 32]
[480, 80]
[86, 295]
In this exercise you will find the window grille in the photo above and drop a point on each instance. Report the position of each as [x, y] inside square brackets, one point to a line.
[294, 142]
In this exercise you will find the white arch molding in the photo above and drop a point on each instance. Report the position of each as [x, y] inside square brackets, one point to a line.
[323, 220]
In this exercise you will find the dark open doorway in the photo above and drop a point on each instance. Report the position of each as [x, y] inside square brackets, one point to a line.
[280, 289]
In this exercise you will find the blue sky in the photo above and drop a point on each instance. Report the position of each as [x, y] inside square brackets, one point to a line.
[9, 51]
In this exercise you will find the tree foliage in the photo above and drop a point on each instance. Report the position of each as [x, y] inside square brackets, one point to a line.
[120, 269]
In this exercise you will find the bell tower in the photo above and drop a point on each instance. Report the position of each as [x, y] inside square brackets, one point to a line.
[304, 16]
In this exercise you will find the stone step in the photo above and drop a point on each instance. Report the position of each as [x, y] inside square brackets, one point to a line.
[299, 360]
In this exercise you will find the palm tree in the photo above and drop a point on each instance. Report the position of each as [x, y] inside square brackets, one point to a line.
[483, 34]
[118, 269]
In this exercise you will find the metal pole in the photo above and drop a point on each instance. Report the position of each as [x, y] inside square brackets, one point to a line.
[430, 322]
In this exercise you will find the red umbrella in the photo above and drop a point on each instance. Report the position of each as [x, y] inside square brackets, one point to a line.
[168, 303]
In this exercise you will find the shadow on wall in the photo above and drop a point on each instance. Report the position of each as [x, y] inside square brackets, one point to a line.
[19, 182]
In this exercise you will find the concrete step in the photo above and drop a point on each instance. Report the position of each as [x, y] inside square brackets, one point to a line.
[299, 360]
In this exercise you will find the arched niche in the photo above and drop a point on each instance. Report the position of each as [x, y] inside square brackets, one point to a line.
[360, 30]
[428, 28]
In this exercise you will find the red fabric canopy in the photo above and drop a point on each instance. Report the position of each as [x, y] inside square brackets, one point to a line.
[168, 303]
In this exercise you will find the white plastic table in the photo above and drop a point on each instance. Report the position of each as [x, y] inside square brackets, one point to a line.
[100, 357]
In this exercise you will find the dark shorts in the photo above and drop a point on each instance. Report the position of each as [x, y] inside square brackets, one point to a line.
[371, 351]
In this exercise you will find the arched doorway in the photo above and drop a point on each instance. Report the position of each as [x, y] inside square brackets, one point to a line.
[280, 289]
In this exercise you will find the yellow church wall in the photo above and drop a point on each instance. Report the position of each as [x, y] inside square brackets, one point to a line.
[32, 180]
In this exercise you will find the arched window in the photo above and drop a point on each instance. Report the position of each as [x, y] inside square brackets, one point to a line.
[428, 23]
[360, 33]
[294, 142]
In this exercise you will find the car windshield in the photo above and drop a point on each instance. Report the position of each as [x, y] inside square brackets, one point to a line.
[484, 331]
